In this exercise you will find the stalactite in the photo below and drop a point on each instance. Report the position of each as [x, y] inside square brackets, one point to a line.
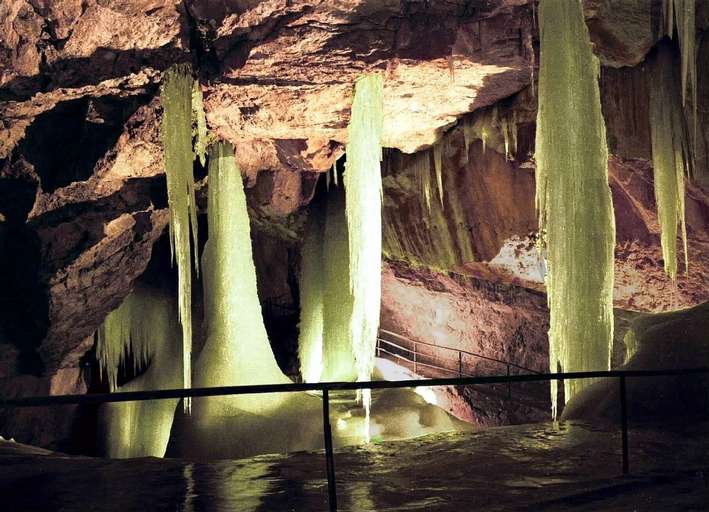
[421, 166]
[467, 137]
[674, 154]
[514, 132]
[573, 197]
[115, 345]
[440, 239]
[199, 124]
[505, 126]
[144, 327]
[363, 186]
[670, 155]
[237, 350]
[497, 130]
[176, 99]
[683, 14]
[311, 287]
[529, 45]
[438, 166]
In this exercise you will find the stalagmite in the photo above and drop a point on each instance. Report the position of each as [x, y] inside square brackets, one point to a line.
[363, 185]
[176, 98]
[573, 197]
[338, 299]
[237, 350]
[670, 156]
[145, 329]
[311, 286]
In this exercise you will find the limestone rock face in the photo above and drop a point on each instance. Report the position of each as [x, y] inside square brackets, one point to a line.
[443, 312]
[286, 69]
[49, 44]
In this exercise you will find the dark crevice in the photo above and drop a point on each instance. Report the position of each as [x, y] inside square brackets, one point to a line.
[23, 299]
[64, 144]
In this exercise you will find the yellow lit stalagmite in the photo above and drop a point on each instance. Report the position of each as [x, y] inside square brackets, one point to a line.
[311, 285]
[237, 350]
[339, 326]
[573, 197]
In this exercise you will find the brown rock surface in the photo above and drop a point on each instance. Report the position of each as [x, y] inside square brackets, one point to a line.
[286, 70]
[498, 322]
[50, 427]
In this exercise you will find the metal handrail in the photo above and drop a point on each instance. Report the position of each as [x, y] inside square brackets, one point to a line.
[427, 365]
[460, 373]
[418, 363]
[452, 349]
[326, 387]
[255, 389]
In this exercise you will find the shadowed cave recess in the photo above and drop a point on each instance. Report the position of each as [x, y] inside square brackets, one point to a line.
[197, 194]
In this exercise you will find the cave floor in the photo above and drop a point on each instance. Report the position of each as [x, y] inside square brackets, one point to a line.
[572, 466]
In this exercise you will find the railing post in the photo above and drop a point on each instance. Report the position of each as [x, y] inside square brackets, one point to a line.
[624, 423]
[329, 455]
[415, 366]
[509, 383]
[460, 364]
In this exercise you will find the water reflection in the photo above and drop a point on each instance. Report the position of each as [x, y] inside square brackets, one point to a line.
[360, 495]
[190, 495]
[226, 486]
[494, 469]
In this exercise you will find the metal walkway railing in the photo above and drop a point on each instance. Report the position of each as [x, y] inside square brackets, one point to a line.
[415, 351]
[426, 362]
[326, 387]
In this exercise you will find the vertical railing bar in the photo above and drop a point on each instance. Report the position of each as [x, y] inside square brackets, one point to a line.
[415, 364]
[624, 424]
[329, 455]
[509, 383]
[460, 364]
